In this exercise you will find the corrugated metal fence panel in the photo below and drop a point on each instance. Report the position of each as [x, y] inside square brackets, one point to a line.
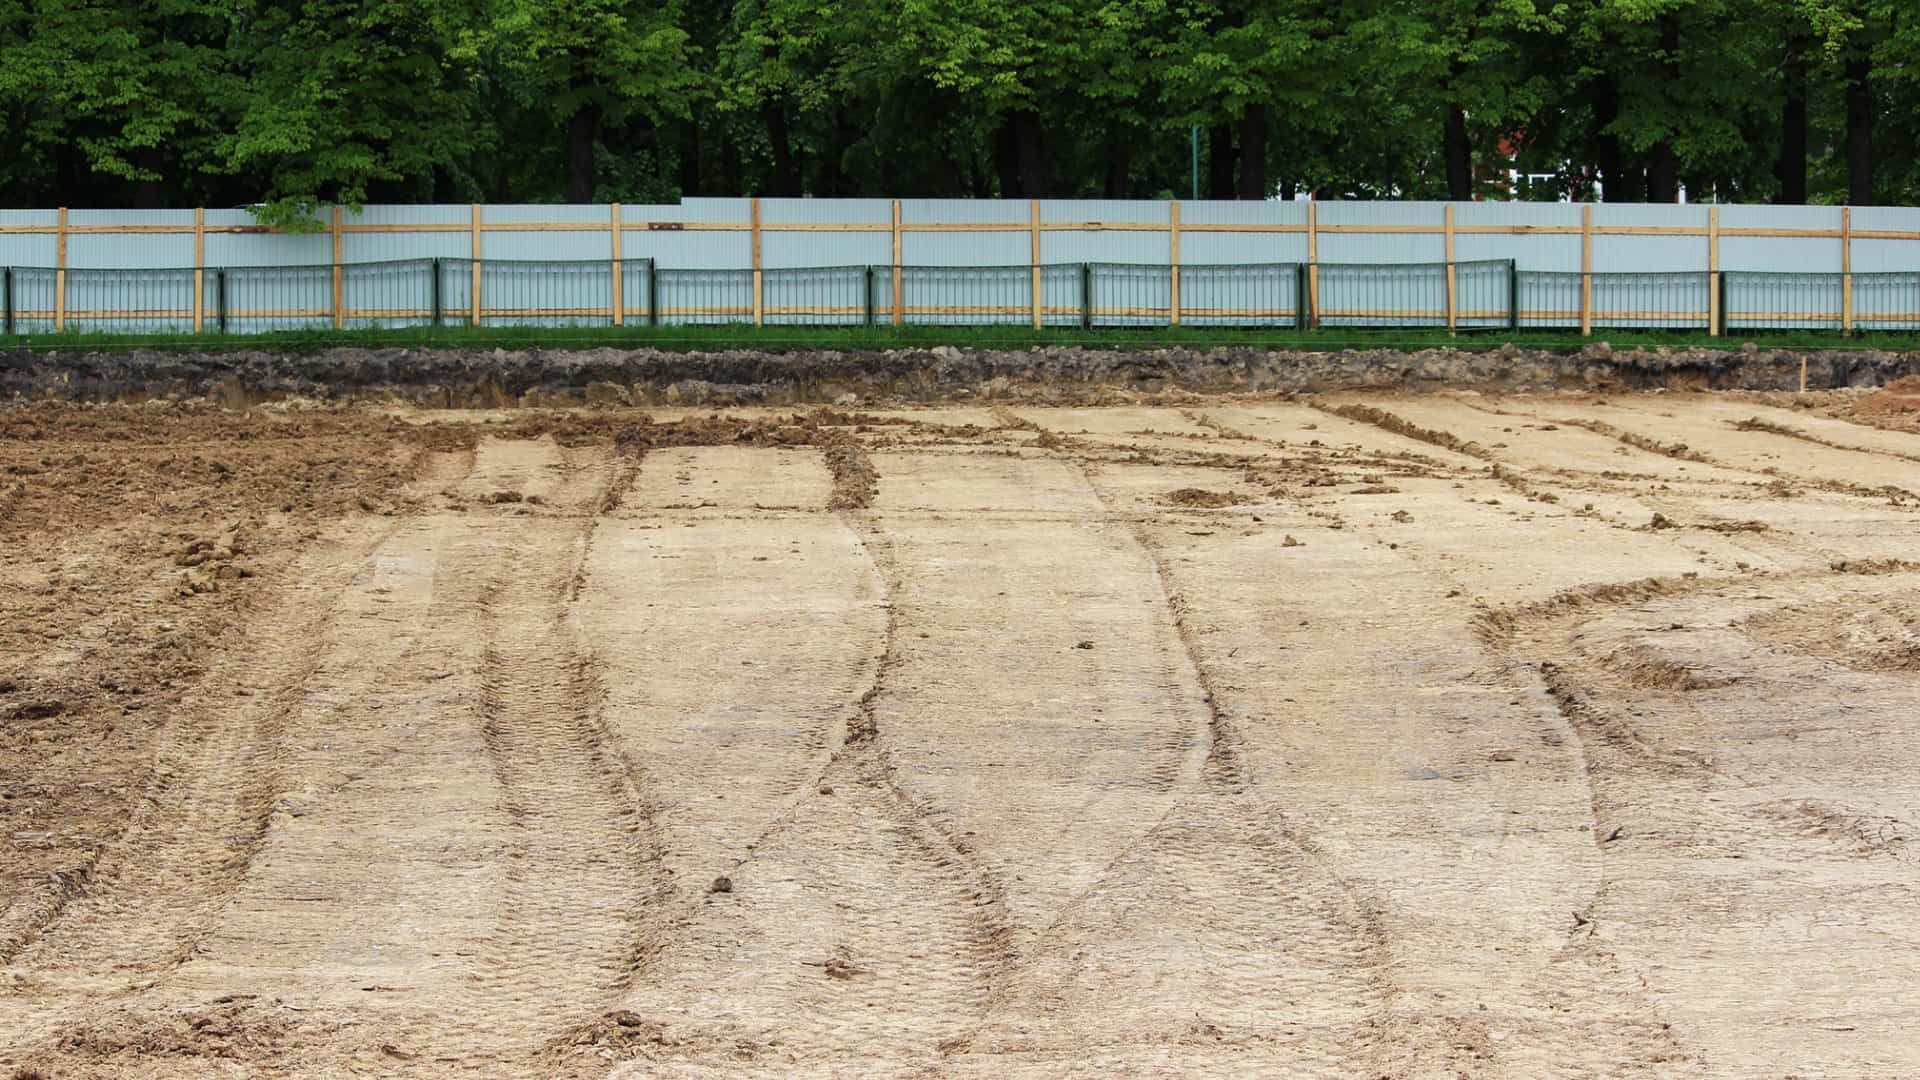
[592, 240]
[820, 247]
[706, 208]
[690, 250]
[1104, 245]
[1871, 255]
[1362, 247]
[1786, 253]
[1203, 247]
[687, 250]
[262, 248]
[455, 243]
[1886, 285]
[971, 248]
[131, 250]
[1616, 253]
[1537, 251]
[27, 249]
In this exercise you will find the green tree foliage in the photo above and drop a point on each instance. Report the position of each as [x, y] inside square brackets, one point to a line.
[291, 104]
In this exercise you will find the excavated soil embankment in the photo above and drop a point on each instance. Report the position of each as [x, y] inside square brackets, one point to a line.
[501, 377]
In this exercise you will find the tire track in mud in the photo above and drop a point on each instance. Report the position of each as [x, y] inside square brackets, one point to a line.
[571, 846]
[1410, 1030]
[1665, 819]
[583, 882]
[1221, 870]
[1899, 498]
[139, 907]
[1672, 515]
[871, 928]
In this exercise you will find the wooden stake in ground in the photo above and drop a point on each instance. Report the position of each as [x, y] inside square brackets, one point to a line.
[473, 316]
[1714, 299]
[60, 273]
[899, 311]
[339, 276]
[199, 267]
[1034, 217]
[1173, 263]
[1586, 270]
[619, 293]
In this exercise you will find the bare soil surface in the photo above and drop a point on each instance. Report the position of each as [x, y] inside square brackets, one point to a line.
[1352, 735]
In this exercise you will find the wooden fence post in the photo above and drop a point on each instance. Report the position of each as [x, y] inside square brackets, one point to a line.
[899, 305]
[619, 294]
[754, 219]
[1846, 271]
[473, 286]
[339, 276]
[1452, 284]
[1714, 299]
[1173, 258]
[199, 267]
[1586, 270]
[1033, 219]
[60, 273]
[1313, 260]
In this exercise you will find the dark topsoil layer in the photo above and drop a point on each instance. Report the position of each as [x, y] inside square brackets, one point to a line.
[501, 377]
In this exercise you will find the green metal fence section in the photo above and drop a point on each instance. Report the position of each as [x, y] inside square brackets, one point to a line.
[1463, 296]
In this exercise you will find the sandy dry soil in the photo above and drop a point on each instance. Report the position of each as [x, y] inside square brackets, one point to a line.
[1344, 736]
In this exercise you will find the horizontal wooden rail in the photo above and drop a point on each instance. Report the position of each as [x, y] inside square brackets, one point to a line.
[1569, 314]
[601, 227]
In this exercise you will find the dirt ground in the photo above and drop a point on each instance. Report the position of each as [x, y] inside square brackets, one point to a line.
[1402, 736]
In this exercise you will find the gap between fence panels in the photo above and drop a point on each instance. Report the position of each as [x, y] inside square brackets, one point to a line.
[1465, 295]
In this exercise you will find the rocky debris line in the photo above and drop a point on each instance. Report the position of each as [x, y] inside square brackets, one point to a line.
[505, 378]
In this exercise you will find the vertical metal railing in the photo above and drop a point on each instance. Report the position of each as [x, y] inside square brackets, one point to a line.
[1485, 295]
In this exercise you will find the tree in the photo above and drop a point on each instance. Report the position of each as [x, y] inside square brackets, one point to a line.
[585, 63]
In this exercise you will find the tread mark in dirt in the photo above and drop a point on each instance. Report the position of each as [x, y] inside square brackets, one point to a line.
[584, 883]
[903, 915]
[933, 838]
[148, 896]
[1231, 864]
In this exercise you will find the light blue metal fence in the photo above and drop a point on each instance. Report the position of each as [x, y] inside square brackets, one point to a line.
[1044, 263]
[1484, 295]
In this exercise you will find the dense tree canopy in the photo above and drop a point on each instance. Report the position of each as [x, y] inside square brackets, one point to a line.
[296, 102]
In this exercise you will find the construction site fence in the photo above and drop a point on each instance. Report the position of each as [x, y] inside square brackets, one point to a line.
[445, 292]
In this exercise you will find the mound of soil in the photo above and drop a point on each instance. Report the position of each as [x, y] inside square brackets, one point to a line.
[607, 376]
[1200, 497]
[1896, 404]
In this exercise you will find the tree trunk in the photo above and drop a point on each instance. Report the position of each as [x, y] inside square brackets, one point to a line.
[1859, 130]
[786, 173]
[1791, 167]
[1220, 162]
[1663, 166]
[1033, 166]
[1119, 163]
[1289, 190]
[1018, 154]
[841, 136]
[583, 131]
[1663, 174]
[689, 159]
[1006, 156]
[1253, 153]
[148, 194]
[1459, 156]
[1618, 182]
